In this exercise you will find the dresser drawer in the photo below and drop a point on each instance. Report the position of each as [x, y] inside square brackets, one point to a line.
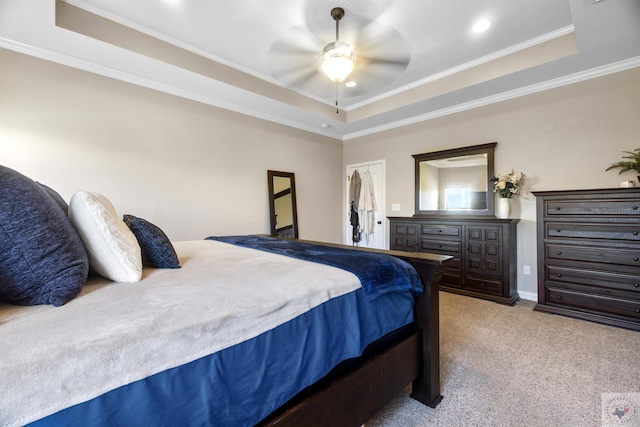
[597, 303]
[444, 247]
[405, 229]
[593, 207]
[593, 231]
[454, 265]
[594, 278]
[440, 230]
[484, 285]
[603, 255]
[453, 279]
[408, 244]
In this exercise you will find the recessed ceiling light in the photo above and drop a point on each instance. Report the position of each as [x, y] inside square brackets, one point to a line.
[481, 26]
[324, 125]
[351, 83]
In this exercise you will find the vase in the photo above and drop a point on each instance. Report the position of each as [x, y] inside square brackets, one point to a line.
[504, 207]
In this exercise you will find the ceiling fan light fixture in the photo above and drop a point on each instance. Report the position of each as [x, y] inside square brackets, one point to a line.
[338, 61]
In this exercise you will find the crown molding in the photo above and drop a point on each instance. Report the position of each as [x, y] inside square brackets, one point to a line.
[155, 85]
[505, 96]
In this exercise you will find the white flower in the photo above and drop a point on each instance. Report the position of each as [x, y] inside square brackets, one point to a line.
[508, 184]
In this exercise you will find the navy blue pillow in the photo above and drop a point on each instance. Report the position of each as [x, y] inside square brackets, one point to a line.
[42, 259]
[157, 250]
[56, 197]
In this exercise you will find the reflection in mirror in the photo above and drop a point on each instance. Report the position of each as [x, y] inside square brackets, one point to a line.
[455, 181]
[282, 204]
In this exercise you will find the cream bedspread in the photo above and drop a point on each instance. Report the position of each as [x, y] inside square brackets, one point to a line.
[117, 333]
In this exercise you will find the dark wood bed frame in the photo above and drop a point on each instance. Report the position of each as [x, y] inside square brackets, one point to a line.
[354, 396]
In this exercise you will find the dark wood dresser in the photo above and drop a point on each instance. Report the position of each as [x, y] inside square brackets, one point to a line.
[483, 249]
[589, 254]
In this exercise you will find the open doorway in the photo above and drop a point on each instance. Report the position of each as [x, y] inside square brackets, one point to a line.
[365, 199]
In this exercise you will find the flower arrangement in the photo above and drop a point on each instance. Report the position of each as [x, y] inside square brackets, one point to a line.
[508, 184]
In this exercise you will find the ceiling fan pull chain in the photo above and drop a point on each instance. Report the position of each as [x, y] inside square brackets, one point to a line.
[337, 110]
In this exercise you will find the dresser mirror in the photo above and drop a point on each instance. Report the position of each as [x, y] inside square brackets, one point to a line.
[455, 181]
[282, 204]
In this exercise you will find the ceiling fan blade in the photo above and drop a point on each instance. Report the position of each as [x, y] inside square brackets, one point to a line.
[293, 75]
[303, 79]
[398, 63]
[376, 40]
[294, 57]
[294, 46]
[297, 39]
[374, 76]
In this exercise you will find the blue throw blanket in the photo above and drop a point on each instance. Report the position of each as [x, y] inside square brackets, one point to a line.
[378, 273]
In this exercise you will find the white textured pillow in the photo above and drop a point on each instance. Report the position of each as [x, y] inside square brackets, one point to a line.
[112, 247]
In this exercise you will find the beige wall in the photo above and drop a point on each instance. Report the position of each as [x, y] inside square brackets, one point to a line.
[196, 170]
[561, 139]
[192, 169]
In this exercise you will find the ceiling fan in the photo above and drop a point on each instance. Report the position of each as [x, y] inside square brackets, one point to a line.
[373, 55]
[338, 59]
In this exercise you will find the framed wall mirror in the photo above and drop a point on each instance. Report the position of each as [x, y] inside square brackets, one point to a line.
[456, 181]
[282, 204]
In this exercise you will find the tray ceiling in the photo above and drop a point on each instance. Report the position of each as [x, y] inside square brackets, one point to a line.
[258, 57]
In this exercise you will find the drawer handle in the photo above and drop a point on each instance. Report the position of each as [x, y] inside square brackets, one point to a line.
[439, 231]
[482, 285]
[637, 285]
[635, 208]
[558, 252]
[635, 233]
[635, 258]
[439, 246]
[557, 230]
[559, 298]
[557, 208]
[559, 275]
[637, 310]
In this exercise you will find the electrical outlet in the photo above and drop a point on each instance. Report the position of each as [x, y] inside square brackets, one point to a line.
[526, 270]
[395, 207]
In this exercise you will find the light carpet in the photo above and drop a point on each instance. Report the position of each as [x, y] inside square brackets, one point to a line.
[512, 366]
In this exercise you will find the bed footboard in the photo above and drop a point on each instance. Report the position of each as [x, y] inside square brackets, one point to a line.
[353, 398]
[356, 396]
[426, 387]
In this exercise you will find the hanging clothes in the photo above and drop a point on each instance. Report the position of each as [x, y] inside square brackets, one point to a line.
[367, 205]
[355, 184]
[354, 219]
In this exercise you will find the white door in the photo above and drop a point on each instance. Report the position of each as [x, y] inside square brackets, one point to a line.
[371, 231]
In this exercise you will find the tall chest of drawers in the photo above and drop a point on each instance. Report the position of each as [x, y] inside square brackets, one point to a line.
[483, 250]
[589, 254]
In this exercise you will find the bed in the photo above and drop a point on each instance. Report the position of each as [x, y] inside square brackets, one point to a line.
[236, 336]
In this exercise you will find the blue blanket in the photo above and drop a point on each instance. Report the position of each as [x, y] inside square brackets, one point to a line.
[378, 273]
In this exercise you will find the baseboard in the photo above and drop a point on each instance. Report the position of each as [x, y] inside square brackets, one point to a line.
[529, 296]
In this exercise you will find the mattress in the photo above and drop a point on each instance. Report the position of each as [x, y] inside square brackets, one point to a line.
[224, 340]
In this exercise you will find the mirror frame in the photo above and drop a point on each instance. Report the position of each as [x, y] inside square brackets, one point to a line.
[488, 149]
[272, 201]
